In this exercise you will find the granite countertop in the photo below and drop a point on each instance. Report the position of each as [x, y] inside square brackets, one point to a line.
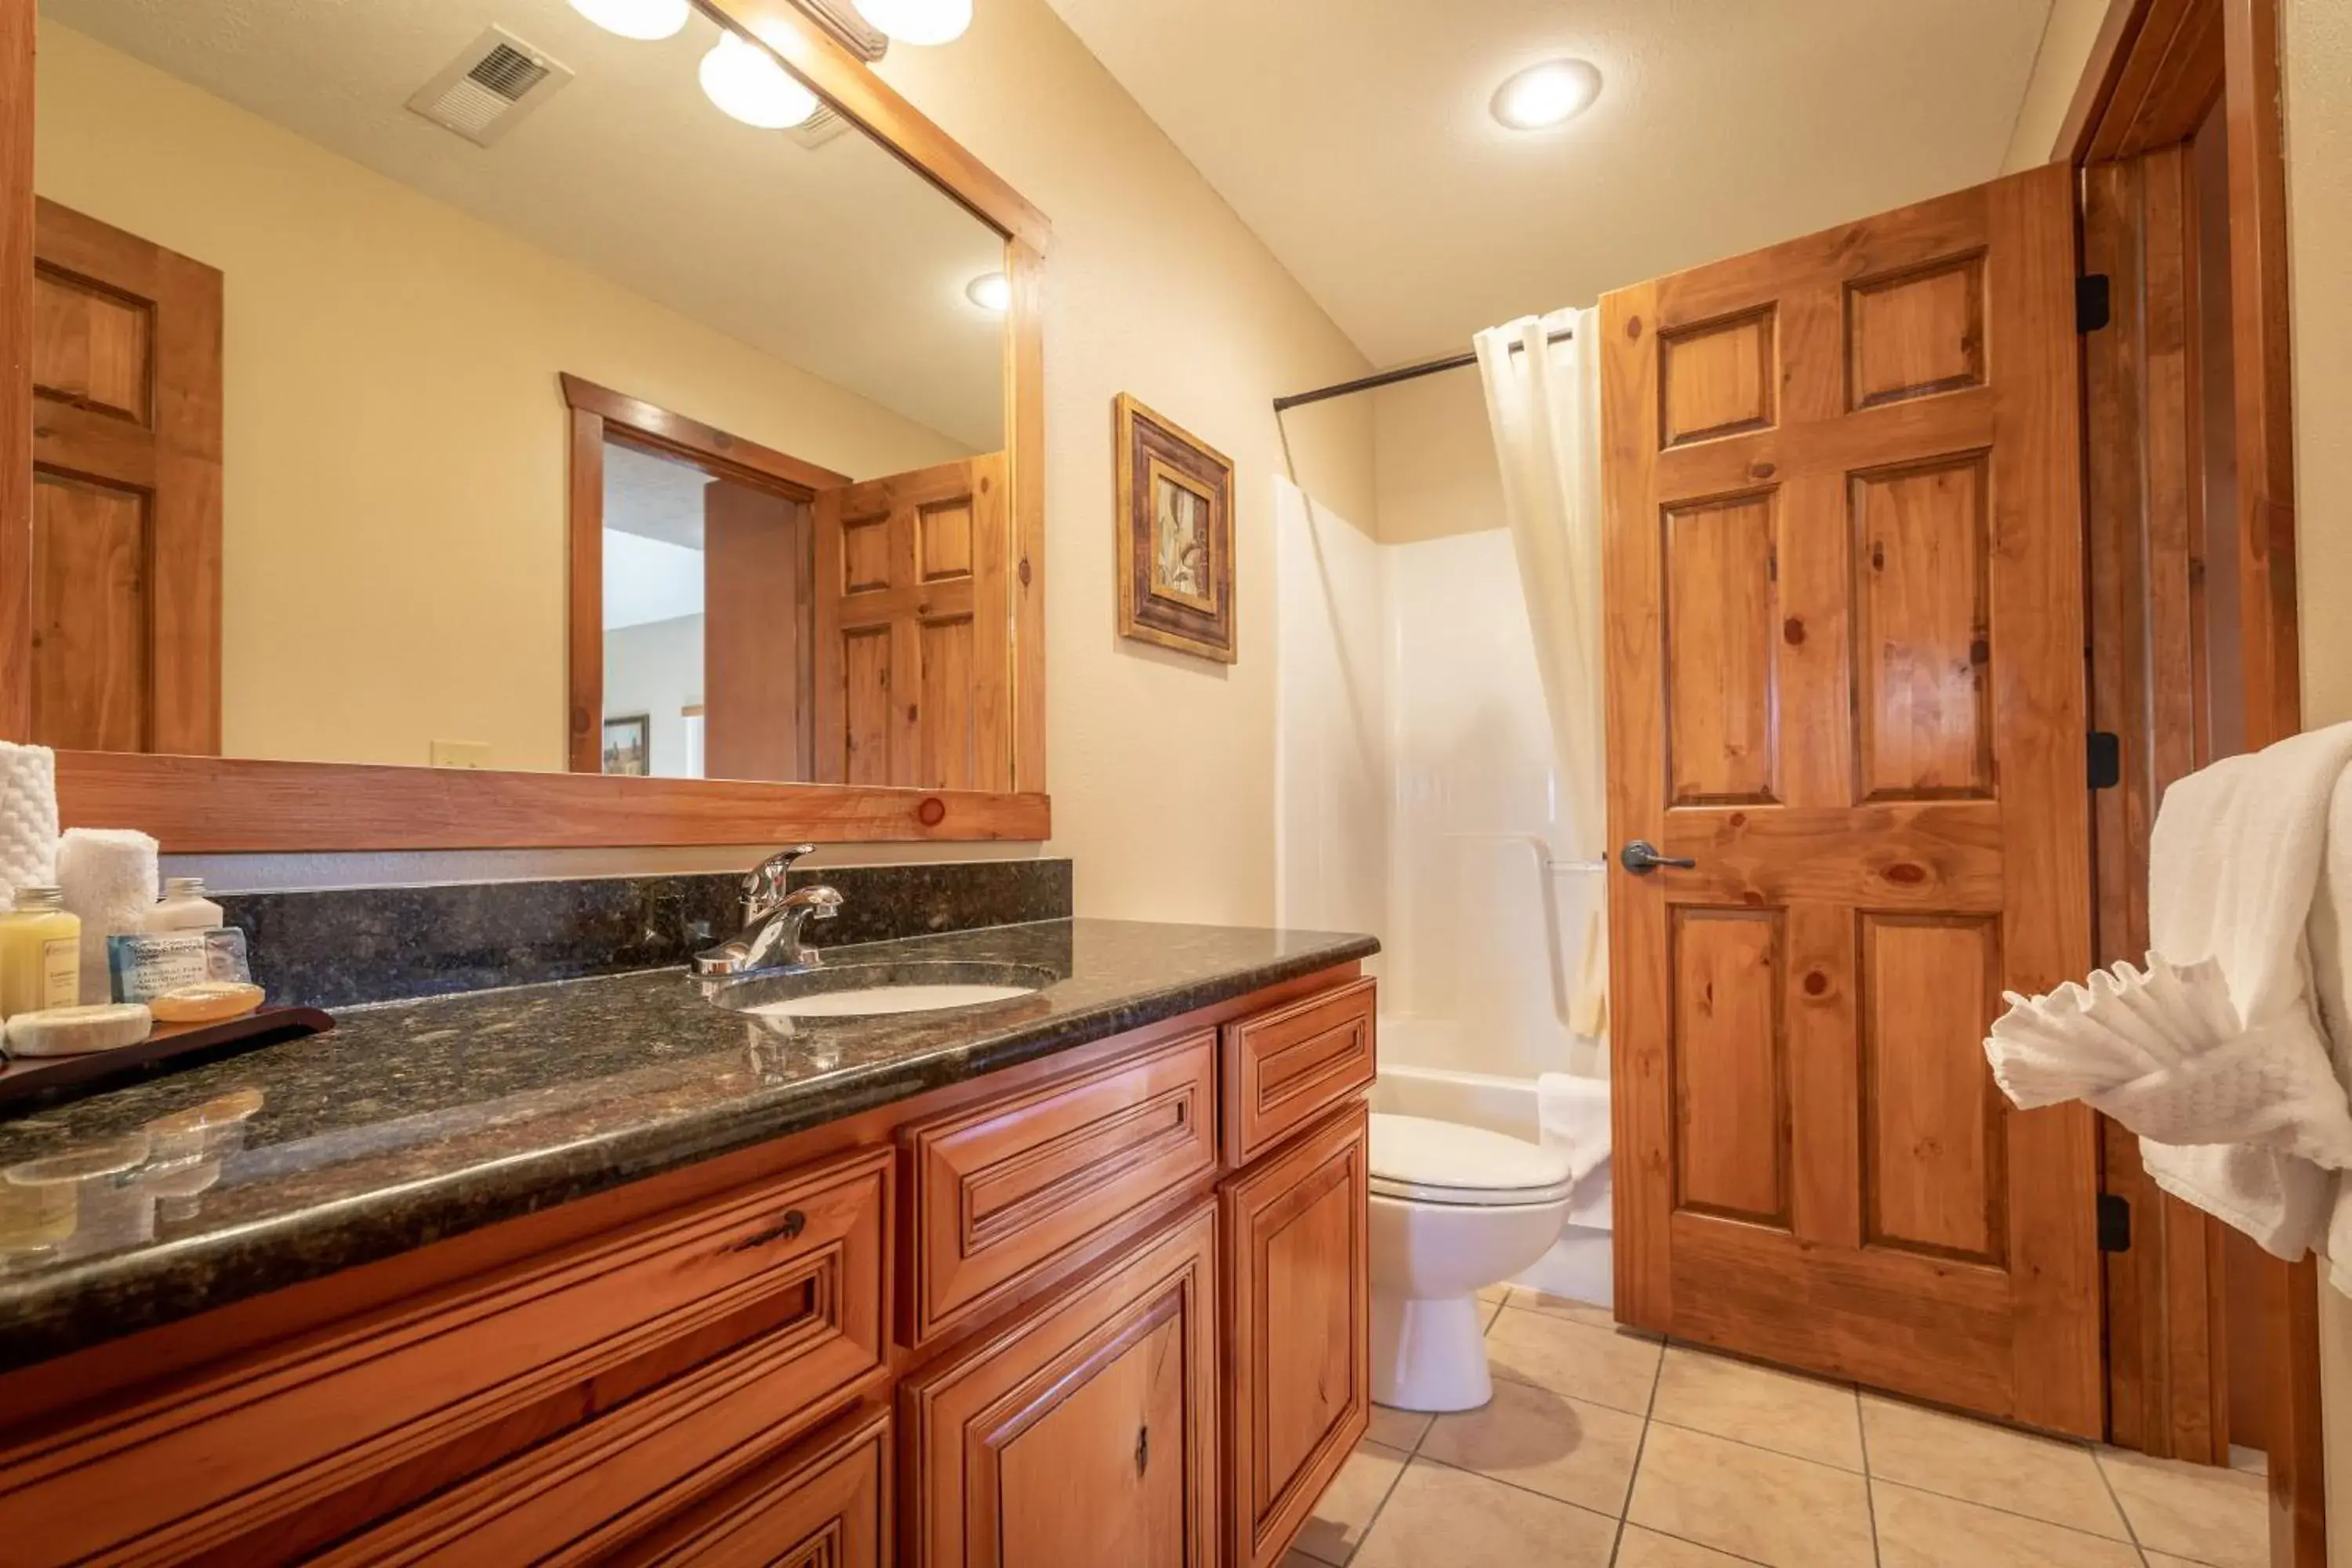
[412, 1122]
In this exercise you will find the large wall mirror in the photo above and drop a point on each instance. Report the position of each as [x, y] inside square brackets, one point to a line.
[455, 384]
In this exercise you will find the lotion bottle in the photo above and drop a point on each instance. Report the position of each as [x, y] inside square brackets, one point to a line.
[40, 953]
[184, 908]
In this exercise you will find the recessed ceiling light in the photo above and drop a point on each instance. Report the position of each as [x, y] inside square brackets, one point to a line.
[917, 21]
[744, 80]
[991, 292]
[637, 18]
[1552, 93]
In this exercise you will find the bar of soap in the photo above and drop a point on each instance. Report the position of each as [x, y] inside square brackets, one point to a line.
[206, 1001]
[74, 1031]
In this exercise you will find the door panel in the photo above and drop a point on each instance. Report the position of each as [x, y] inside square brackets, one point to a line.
[126, 366]
[913, 635]
[1845, 645]
[755, 638]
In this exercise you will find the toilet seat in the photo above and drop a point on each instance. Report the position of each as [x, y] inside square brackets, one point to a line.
[1419, 1160]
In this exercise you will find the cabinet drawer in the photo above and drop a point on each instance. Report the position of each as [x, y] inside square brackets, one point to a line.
[274, 1455]
[824, 1503]
[1085, 1435]
[1285, 1067]
[1013, 1186]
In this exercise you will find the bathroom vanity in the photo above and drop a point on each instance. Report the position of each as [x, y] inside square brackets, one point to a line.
[598, 1270]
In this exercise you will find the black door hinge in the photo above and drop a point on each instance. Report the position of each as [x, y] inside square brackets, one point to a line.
[2105, 754]
[2114, 1222]
[2092, 310]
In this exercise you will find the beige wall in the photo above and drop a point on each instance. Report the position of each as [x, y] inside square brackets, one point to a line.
[2317, 45]
[1162, 767]
[1435, 458]
[2066, 38]
[394, 473]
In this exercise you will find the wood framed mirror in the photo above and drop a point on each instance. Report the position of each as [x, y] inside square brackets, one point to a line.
[313, 658]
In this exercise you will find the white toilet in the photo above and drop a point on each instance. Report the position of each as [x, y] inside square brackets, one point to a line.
[1454, 1209]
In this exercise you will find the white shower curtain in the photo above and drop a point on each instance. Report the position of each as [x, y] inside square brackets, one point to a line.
[1544, 401]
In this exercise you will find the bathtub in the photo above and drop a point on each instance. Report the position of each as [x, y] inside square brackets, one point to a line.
[1580, 1265]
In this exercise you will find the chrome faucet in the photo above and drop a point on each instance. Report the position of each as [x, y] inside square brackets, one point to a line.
[772, 918]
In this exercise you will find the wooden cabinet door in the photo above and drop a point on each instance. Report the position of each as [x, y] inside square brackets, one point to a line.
[1084, 1434]
[126, 563]
[1843, 561]
[914, 631]
[1297, 1348]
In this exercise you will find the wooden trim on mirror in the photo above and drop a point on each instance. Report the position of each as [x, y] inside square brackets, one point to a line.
[815, 56]
[229, 805]
[216, 805]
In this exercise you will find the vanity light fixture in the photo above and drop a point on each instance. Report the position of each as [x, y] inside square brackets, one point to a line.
[646, 19]
[1546, 95]
[746, 81]
[918, 21]
[991, 292]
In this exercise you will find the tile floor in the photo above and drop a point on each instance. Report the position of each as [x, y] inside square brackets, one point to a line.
[1606, 1446]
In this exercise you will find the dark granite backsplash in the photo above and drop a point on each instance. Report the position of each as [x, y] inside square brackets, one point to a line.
[378, 944]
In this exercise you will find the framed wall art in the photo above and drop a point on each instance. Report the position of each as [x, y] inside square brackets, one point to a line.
[1175, 536]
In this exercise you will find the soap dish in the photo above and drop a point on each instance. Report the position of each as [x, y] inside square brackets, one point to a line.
[24, 1076]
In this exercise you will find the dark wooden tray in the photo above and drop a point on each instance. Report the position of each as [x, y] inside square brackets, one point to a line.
[25, 1076]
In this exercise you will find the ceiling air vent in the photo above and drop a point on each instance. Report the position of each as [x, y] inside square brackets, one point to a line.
[484, 92]
[820, 128]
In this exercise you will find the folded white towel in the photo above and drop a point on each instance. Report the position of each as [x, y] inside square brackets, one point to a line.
[2235, 864]
[108, 877]
[1572, 1114]
[28, 816]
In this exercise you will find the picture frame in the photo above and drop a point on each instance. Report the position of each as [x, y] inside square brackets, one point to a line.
[1175, 530]
[628, 746]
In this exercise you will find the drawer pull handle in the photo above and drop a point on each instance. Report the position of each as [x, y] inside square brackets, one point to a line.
[1143, 1449]
[787, 1229]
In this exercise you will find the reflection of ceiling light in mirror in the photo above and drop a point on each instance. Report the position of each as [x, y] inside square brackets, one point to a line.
[744, 80]
[991, 292]
[1549, 94]
[918, 21]
[637, 18]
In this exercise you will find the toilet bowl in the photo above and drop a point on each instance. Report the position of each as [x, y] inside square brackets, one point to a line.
[1453, 1210]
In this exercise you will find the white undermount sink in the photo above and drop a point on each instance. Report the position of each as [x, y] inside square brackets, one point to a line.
[872, 990]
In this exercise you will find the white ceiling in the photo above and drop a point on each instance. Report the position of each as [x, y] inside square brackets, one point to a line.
[652, 537]
[838, 259]
[1354, 137]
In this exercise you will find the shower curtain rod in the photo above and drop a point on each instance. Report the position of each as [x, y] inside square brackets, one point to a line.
[1403, 373]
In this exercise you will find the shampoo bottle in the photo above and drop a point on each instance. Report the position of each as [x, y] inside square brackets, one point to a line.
[185, 907]
[40, 953]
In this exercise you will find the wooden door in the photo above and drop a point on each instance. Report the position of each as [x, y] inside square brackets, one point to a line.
[1084, 1434]
[1845, 644]
[755, 633]
[126, 549]
[914, 640]
[1298, 1356]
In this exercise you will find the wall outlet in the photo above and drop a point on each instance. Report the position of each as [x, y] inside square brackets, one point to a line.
[461, 754]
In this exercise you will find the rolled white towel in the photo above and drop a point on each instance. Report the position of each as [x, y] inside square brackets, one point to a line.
[28, 816]
[2164, 1052]
[108, 875]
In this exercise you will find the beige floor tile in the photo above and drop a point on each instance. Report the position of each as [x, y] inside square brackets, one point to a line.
[1752, 1502]
[2159, 1560]
[2198, 1511]
[1647, 1549]
[2042, 1477]
[1600, 1365]
[1599, 1317]
[1532, 1437]
[1489, 1310]
[1438, 1515]
[1771, 1409]
[1336, 1528]
[1398, 1429]
[1921, 1530]
[1496, 1292]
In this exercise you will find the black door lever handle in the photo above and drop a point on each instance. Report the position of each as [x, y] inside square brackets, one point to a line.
[1642, 857]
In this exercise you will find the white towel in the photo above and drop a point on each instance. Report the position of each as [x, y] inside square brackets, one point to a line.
[2234, 869]
[1572, 1114]
[108, 877]
[28, 816]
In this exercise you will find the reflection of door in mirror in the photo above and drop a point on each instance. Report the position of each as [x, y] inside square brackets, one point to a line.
[126, 492]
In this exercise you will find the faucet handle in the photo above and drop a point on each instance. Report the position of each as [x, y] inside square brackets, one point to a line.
[763, 889]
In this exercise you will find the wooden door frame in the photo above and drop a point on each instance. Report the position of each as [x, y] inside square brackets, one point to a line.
[227, 805]
[600, 415]
[2154, 73]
